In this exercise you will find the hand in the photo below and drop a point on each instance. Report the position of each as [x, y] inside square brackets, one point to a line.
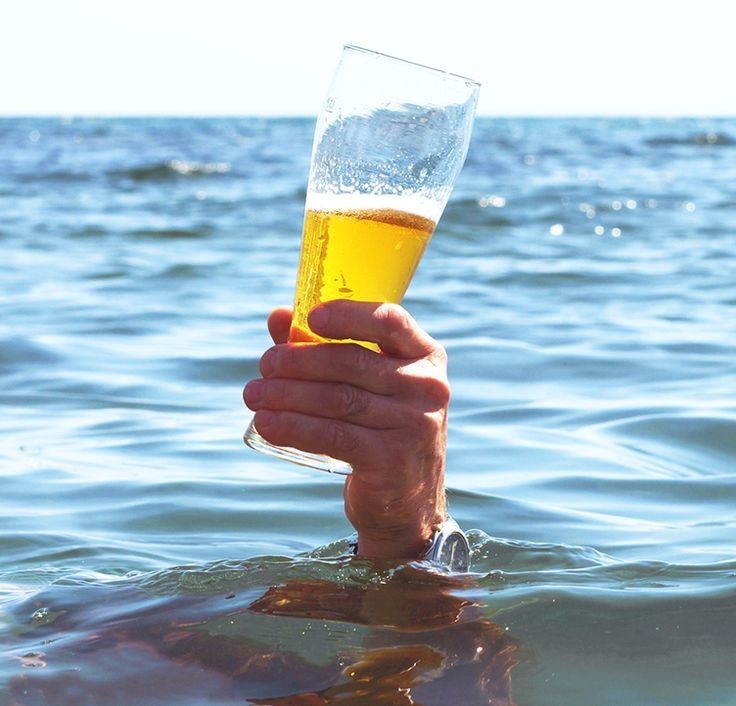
[384, 413]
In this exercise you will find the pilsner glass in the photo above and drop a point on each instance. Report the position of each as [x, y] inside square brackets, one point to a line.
[389, 144]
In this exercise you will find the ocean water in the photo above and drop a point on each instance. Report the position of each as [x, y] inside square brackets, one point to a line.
[583, 281]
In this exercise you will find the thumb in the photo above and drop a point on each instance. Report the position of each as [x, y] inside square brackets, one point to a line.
[279, 322]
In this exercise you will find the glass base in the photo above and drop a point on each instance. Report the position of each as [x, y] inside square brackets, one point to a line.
[319, 462]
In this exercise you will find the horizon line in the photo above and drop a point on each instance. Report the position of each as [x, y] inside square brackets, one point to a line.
[313, 116]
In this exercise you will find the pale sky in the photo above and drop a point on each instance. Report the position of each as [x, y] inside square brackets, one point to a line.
[275, 57]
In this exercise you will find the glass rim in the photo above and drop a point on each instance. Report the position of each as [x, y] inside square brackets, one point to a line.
[449, 74]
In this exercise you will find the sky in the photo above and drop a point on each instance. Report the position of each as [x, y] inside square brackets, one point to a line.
[275, 57]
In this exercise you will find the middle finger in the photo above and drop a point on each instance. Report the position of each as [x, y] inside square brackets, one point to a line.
[328, 399]
[335, 362]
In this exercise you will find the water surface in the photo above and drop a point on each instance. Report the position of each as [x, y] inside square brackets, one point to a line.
[582, 281]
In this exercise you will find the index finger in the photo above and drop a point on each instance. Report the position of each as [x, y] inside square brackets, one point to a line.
[388, 325]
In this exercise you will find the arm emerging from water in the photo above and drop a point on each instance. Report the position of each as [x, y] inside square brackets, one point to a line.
[385, 413]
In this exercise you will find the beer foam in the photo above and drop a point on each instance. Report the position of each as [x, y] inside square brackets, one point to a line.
[408, 203]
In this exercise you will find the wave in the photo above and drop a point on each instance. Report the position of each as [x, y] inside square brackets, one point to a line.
[58, 175]
[486, 211]
[159, 171]
[172, 233]
[173, 169]
[704, 139]
[20, 351]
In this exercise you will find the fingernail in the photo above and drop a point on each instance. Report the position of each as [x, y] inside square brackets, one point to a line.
[254, 392]
[319, 318]
[268, 362]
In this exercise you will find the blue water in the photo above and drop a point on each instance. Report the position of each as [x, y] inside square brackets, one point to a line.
[582, 280]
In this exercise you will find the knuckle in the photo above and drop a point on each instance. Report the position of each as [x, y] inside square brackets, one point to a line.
[439, 355]
[350, 401]
[430, 424]
[362, 361]
[339, 438]
[438, 390]
[427, 384]
[420, 426]
[394, 318]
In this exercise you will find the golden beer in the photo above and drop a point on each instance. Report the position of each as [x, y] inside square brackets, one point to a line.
[362, 254]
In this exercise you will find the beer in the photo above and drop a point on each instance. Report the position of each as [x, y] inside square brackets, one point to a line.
[361, 254]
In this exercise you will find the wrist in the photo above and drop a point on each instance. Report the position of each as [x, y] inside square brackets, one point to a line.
[396, 546]
[446, 545]
[400, 541]
[395, 522]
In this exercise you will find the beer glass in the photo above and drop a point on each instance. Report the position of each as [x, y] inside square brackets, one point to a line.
[389, 144]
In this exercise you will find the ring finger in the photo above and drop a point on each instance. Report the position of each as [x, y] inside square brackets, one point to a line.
[332, 400]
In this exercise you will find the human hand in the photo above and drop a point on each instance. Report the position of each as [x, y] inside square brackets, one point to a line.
[384, 413]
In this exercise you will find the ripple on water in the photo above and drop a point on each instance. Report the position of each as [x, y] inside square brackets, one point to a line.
[199, 232]
[18, 351]
[701, 444]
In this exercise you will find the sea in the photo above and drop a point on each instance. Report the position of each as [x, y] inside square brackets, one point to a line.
[583, 282]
